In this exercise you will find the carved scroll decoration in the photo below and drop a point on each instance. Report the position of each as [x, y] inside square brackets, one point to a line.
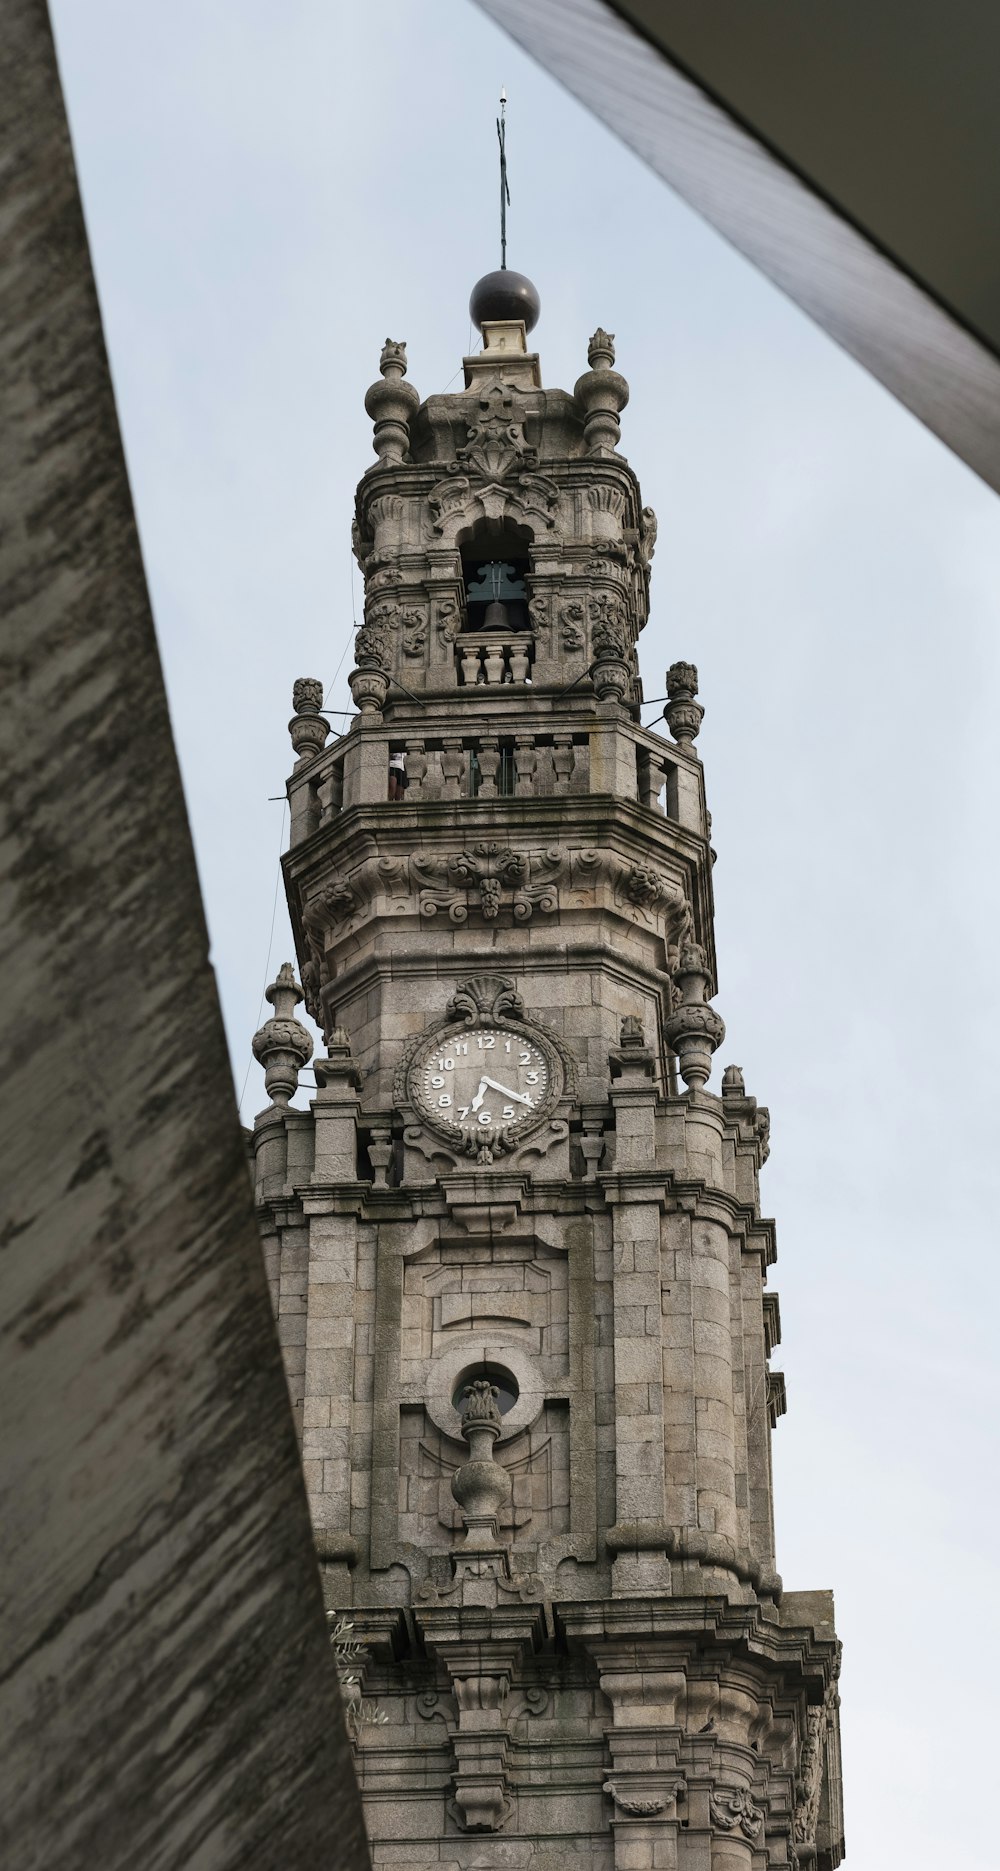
[528, 497]
[736, 1809]
[344, 897]
[496, 442]
[488, 872]
[809, 1781]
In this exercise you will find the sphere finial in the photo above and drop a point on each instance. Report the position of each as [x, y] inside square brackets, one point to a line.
[504, 295]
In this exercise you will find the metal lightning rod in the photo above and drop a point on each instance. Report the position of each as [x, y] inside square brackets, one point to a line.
[504, 190]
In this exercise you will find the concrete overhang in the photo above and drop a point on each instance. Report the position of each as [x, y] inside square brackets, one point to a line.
[851, 151]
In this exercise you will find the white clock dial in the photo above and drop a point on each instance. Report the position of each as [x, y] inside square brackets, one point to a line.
[484, 1078]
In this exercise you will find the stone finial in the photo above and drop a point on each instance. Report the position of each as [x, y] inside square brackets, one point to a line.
[733, 1082]
[610, 647]
[391, 403]
[307, 727]
[694, 1029]
[480, 1403]
[339, 1066]
[632, 1060]
[369, 682]
[682, 681]
[392, 362]
[369, 688]
[282, 1045]
[482, 1485]
[371, 646]
[307, 695]
[602, 394]
[683, 715]
[608, 637]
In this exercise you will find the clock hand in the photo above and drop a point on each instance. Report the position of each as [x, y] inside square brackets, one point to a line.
[506, 1092]
[481, 1093]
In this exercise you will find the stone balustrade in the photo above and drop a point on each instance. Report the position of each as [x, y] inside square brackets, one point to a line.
[493, 658]
[491, 767]
[353, 771]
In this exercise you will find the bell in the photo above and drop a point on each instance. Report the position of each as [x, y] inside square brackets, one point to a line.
[496, 616]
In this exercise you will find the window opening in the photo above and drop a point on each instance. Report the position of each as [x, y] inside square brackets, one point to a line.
[497, 595]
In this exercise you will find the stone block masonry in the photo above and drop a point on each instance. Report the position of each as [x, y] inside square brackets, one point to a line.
[537, 1402]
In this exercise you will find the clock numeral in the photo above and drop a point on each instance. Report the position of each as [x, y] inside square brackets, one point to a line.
[532, 1078]
[462, 1047]
[437, 1081]
[444, 1102]
[508, 1110]
[524, 1058]
[485, 1117]
[506, 1045]
[449, 1065]
[464, 1112]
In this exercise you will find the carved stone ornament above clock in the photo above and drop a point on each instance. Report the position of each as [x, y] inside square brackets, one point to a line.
[487, 1077]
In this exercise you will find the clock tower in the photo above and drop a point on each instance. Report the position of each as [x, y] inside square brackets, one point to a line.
[515, 1242]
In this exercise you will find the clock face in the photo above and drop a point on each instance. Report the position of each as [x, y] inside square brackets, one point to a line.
[483, 1079]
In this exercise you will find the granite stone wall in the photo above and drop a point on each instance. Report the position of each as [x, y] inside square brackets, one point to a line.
[168, 1698]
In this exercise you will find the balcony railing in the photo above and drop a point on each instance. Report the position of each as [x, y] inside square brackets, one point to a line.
[488, 767]
[638, 766]
[493, 658]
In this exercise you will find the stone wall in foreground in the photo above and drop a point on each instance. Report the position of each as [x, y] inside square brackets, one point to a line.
[167, 1698]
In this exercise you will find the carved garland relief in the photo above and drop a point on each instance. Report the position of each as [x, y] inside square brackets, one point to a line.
[491, 877]
[488, 871]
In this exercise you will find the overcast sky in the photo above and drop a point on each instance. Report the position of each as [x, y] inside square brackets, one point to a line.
[270, 191]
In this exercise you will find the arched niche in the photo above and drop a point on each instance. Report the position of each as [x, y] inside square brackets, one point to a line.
[496, 560]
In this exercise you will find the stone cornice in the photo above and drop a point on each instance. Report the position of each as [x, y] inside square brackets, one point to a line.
[534, 1195]
[667, 1629]
[631, 1186]
[681, 1625]
[584, 819]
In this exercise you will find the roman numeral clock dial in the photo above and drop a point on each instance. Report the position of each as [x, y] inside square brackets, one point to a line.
[484, 1079]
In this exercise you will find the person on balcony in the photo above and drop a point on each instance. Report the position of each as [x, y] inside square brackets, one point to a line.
[398, 781]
